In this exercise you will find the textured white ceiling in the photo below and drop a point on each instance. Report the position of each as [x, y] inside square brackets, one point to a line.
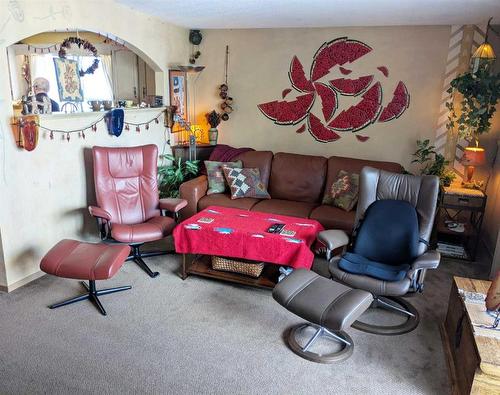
[217, 14]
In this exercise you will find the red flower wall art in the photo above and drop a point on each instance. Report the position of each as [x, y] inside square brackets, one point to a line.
[367, 110]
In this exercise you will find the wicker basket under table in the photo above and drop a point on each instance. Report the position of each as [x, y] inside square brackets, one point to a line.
[241, 266]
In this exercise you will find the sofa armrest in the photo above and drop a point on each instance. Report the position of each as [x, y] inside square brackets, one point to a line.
[172, 205]
[99, 213]
[192, 191]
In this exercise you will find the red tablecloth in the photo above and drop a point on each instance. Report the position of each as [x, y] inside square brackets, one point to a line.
[243, 234]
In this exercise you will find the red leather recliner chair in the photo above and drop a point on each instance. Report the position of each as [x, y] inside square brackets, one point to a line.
[128, 206]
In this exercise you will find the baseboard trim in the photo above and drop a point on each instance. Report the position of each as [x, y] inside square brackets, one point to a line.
[23, 281]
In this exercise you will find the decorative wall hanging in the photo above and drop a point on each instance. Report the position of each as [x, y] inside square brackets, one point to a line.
[195, 38]
[368, 110]
[28, 132]
[68, 80]
[178, 91]
[226, 105]
[114, 121]
[82, 44]
[28, 127]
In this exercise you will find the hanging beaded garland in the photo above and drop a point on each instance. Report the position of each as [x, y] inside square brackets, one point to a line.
[84, 44]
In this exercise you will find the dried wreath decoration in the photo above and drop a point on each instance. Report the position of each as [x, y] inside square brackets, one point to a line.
[81, 43]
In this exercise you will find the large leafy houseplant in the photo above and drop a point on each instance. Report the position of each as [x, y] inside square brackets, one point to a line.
[480, 92]
[432, 162]
[171, 176]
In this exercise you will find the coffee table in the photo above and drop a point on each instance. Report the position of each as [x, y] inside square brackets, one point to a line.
[236, 233]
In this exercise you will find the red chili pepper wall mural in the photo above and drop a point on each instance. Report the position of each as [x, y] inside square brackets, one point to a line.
[367, 110]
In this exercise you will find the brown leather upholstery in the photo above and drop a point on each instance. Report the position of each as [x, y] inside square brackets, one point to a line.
[320, 300]
[153, 229]
[260, 159]
[300, 178]
[221, 199]
[285, 207]
[84, 261]
[126, 189]
[126, 182]
[193, 190]
[333, 217]
[172, 205]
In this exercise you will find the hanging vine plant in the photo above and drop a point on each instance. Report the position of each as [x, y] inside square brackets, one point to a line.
[480, 93]
[83, 44]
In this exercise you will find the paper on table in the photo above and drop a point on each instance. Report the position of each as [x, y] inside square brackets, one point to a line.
[476, 308]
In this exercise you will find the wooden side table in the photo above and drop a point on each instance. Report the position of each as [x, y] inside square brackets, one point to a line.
[203, 151]
[473, 359]
[461, 205]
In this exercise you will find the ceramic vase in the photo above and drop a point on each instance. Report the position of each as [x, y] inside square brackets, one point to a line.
[213, 133]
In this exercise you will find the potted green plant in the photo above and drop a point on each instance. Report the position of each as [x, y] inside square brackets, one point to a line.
[171, 176]
[433, 163]
[480, 92]
[213, 119]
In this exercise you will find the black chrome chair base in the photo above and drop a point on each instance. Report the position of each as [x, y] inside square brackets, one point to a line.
[92, 294]
[137, 256]
[398, 305]
[303, 351]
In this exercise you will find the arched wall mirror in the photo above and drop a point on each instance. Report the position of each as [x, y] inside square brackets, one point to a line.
[80, 71]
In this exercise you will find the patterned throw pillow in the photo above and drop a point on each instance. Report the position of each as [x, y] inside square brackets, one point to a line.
[245, 182]
[344, 191]
[215, 175]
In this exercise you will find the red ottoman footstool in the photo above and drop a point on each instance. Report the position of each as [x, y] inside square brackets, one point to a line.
[85, 261]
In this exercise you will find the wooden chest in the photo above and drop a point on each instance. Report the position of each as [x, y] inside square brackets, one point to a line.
[473, 360]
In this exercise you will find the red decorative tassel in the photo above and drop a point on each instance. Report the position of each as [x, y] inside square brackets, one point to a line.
[147, 126]
[156, 120]
[83, 134]
[94, 127]
[67, 137]
[138, 129]
[51, 135]
[127, 127]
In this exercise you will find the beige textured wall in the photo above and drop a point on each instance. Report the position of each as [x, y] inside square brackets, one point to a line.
[44, 193]
[258, 68]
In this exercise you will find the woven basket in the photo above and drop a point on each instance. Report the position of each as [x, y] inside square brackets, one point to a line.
[252, 269]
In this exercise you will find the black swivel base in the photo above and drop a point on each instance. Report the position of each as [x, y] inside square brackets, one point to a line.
[137, 256]
[92, 294]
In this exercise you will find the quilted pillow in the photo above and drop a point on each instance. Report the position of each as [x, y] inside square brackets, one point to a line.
[344, 191]
[215, 175]
[245, 182]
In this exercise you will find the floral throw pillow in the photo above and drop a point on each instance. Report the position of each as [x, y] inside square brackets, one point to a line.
[245, 182]
[215, 175]
[344, 191]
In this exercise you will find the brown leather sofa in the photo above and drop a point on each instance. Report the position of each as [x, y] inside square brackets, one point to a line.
[295, 182]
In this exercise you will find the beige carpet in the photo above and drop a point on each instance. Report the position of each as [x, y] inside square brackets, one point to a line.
[199, 336]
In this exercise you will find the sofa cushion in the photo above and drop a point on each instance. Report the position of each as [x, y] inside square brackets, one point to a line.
[333, 217]
[344, 191]
[259, 159]
[351, 165]
[221, 199]
[300, 178]
[215, 176]
[245, 182]
[285, 207]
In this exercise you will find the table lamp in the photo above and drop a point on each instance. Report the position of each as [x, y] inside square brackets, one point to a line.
[473, 156]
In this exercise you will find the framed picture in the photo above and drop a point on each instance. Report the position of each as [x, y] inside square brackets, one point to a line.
[68, 80]
[178, 92]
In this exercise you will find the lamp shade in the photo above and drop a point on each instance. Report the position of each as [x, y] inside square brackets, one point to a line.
[474, 156]
[484, 51]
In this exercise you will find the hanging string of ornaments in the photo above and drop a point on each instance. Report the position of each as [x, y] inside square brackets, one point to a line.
[226, 105]
[66, 134]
